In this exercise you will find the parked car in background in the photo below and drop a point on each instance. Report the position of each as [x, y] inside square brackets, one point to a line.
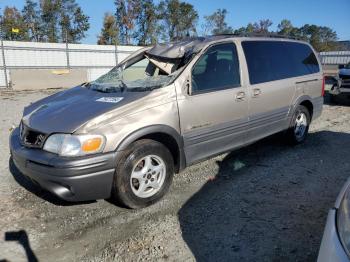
[164, 108]
[335, 246]
[342, 85]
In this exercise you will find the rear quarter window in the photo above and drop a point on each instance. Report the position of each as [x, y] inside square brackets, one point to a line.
[276, 60]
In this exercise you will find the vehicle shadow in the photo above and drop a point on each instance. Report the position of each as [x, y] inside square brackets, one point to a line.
[37, 190]
[22, 238]
[268, 201]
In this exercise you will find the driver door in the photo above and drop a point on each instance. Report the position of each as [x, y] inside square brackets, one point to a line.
[214, 116]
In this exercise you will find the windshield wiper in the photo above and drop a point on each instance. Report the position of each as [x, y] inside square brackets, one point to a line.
[143, 89]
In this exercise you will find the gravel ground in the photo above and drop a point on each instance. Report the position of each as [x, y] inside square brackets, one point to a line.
[265, 202]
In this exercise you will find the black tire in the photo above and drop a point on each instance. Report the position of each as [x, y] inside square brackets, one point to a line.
[122, 192]
[291, 137]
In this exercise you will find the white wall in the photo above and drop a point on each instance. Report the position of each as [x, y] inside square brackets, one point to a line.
[31, 55]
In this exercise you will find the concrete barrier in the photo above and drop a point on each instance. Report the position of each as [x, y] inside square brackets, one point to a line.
[33, 79]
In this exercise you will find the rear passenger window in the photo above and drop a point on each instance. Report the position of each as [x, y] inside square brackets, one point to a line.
[303, 58]
[217, 69]
[275, 60]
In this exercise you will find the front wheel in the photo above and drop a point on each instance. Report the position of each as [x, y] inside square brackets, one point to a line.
[299, 127]
[143, 175]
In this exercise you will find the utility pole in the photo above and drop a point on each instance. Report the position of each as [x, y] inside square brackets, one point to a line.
[67, 50]
[3, 55]
[116, 51]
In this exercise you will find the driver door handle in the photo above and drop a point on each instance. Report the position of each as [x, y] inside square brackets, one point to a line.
[240, 96]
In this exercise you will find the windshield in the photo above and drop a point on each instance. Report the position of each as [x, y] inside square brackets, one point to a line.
[347, 66]
[144, 74]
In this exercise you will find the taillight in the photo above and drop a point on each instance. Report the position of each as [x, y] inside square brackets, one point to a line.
[323, 85]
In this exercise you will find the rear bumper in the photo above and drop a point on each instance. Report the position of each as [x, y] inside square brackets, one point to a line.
[331, 249]
[72, 179]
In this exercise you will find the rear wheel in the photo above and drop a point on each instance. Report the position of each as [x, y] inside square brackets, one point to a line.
[143, 175]
[299, 127]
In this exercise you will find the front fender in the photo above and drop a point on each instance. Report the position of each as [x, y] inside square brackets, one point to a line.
[158, 129]
[147, 131]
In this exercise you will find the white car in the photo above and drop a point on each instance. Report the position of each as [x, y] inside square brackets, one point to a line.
[343, 84]
[335, 246]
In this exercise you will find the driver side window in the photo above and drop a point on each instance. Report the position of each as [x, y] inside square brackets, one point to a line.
[217, 69]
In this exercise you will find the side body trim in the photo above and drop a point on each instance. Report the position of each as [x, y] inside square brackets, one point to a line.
[209, 141]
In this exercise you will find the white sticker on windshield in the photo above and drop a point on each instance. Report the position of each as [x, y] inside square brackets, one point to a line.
[110, 99]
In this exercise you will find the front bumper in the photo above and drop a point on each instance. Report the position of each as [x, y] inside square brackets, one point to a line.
[331, 249]
[343, 87]
[72, 179]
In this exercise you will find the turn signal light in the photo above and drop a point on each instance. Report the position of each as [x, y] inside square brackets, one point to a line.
[92, 144]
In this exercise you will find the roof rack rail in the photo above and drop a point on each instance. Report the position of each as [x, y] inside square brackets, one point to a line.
[271, 35]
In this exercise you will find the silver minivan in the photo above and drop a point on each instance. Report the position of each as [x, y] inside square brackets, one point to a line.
[164, 108]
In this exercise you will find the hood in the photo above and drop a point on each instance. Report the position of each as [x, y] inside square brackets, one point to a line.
[66, 111]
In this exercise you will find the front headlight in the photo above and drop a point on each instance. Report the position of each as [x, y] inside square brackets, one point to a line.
[343, 221]
[74, 145]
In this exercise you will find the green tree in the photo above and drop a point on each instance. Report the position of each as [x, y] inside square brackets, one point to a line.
[188, 23]
[32, 19]
[63, 20]
[147, 23]
[322, 38]
[50, 16]
[109, 32]
[120, 15]
[215, 24]
[73, 22]
[287, 29]
[262, 27]
[249, 29]
[126, 14]
[12, 19]
[178, 18]
[80, 26]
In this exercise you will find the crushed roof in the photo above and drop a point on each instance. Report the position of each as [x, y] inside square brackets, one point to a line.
[177, 50]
